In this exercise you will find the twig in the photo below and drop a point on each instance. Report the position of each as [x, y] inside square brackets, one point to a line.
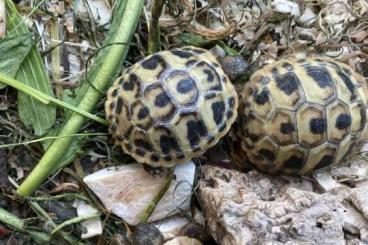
[154, 43]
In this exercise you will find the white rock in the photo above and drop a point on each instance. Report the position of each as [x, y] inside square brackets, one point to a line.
[183, 240]
[308, 17]
[172, 226]
[286, 7]
[128, 190]
[99, 8]
[93, 226]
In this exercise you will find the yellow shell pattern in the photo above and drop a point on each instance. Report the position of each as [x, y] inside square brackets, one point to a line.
[300, 115]
[171, 106]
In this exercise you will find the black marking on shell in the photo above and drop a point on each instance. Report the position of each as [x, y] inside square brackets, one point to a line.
[231, 102]
[288, 82]
[119, 138]
[184, 86]
[128, 147]
[320, 76]
[140, 152]
[209, 74]
[222, 127]
[113, 127]
[128, 132]
[112, 106]
[294, 162]
[132, 81]
[114, 92]
[180, 156]
[162, 100]
[143, 113]
[154, 158]
[197, 148]
[181, 54]
[209, 96]
[261, 98]
[218, 109]
[363, 116]
[215, 64]
[142, 144]
[167, 143]
[109, 117]
[269, 155]
[265, 80]
[229, 114]
[348, 83]
[301, 60]
[119, 105]
[210, 138]
[190, 63]
[287, 128]
[318, 125]
[275, 72]
[153, 62]
[195, 130]
[167, 158]
[343, 121]
[288, 66]
[324, 162]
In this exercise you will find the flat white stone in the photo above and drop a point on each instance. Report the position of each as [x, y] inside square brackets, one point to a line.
[183, 240]
[287, 7]
[128, 190]
[171, 227]
[93, 226]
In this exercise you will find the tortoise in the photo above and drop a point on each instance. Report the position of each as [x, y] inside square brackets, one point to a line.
[171, 106]
[301, 116]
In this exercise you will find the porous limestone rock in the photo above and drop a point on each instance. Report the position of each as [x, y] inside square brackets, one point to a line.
[256, 208]
[127, 191]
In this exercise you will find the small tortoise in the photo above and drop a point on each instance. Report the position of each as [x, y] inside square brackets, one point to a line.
[171, 106]
[300, 115]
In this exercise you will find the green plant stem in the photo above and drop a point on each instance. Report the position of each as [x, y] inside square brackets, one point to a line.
[101, 75]
[152, 205]
[46, 99]
[154, 43]
[41, 212]
[18, 224]
[74, 221]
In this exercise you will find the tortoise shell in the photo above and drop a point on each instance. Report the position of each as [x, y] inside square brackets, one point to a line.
[171, 106]
[300, 115]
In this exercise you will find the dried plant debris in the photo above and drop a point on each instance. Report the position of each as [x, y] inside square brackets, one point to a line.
[257, 208]
[232, 207]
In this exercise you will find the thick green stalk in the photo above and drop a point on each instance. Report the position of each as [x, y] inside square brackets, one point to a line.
[102, 73]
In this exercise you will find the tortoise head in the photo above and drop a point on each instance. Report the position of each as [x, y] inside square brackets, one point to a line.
[234, 66]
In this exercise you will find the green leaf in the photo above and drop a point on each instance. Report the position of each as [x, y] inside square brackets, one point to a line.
[32, 72]
[192, 39]
[13, 50]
